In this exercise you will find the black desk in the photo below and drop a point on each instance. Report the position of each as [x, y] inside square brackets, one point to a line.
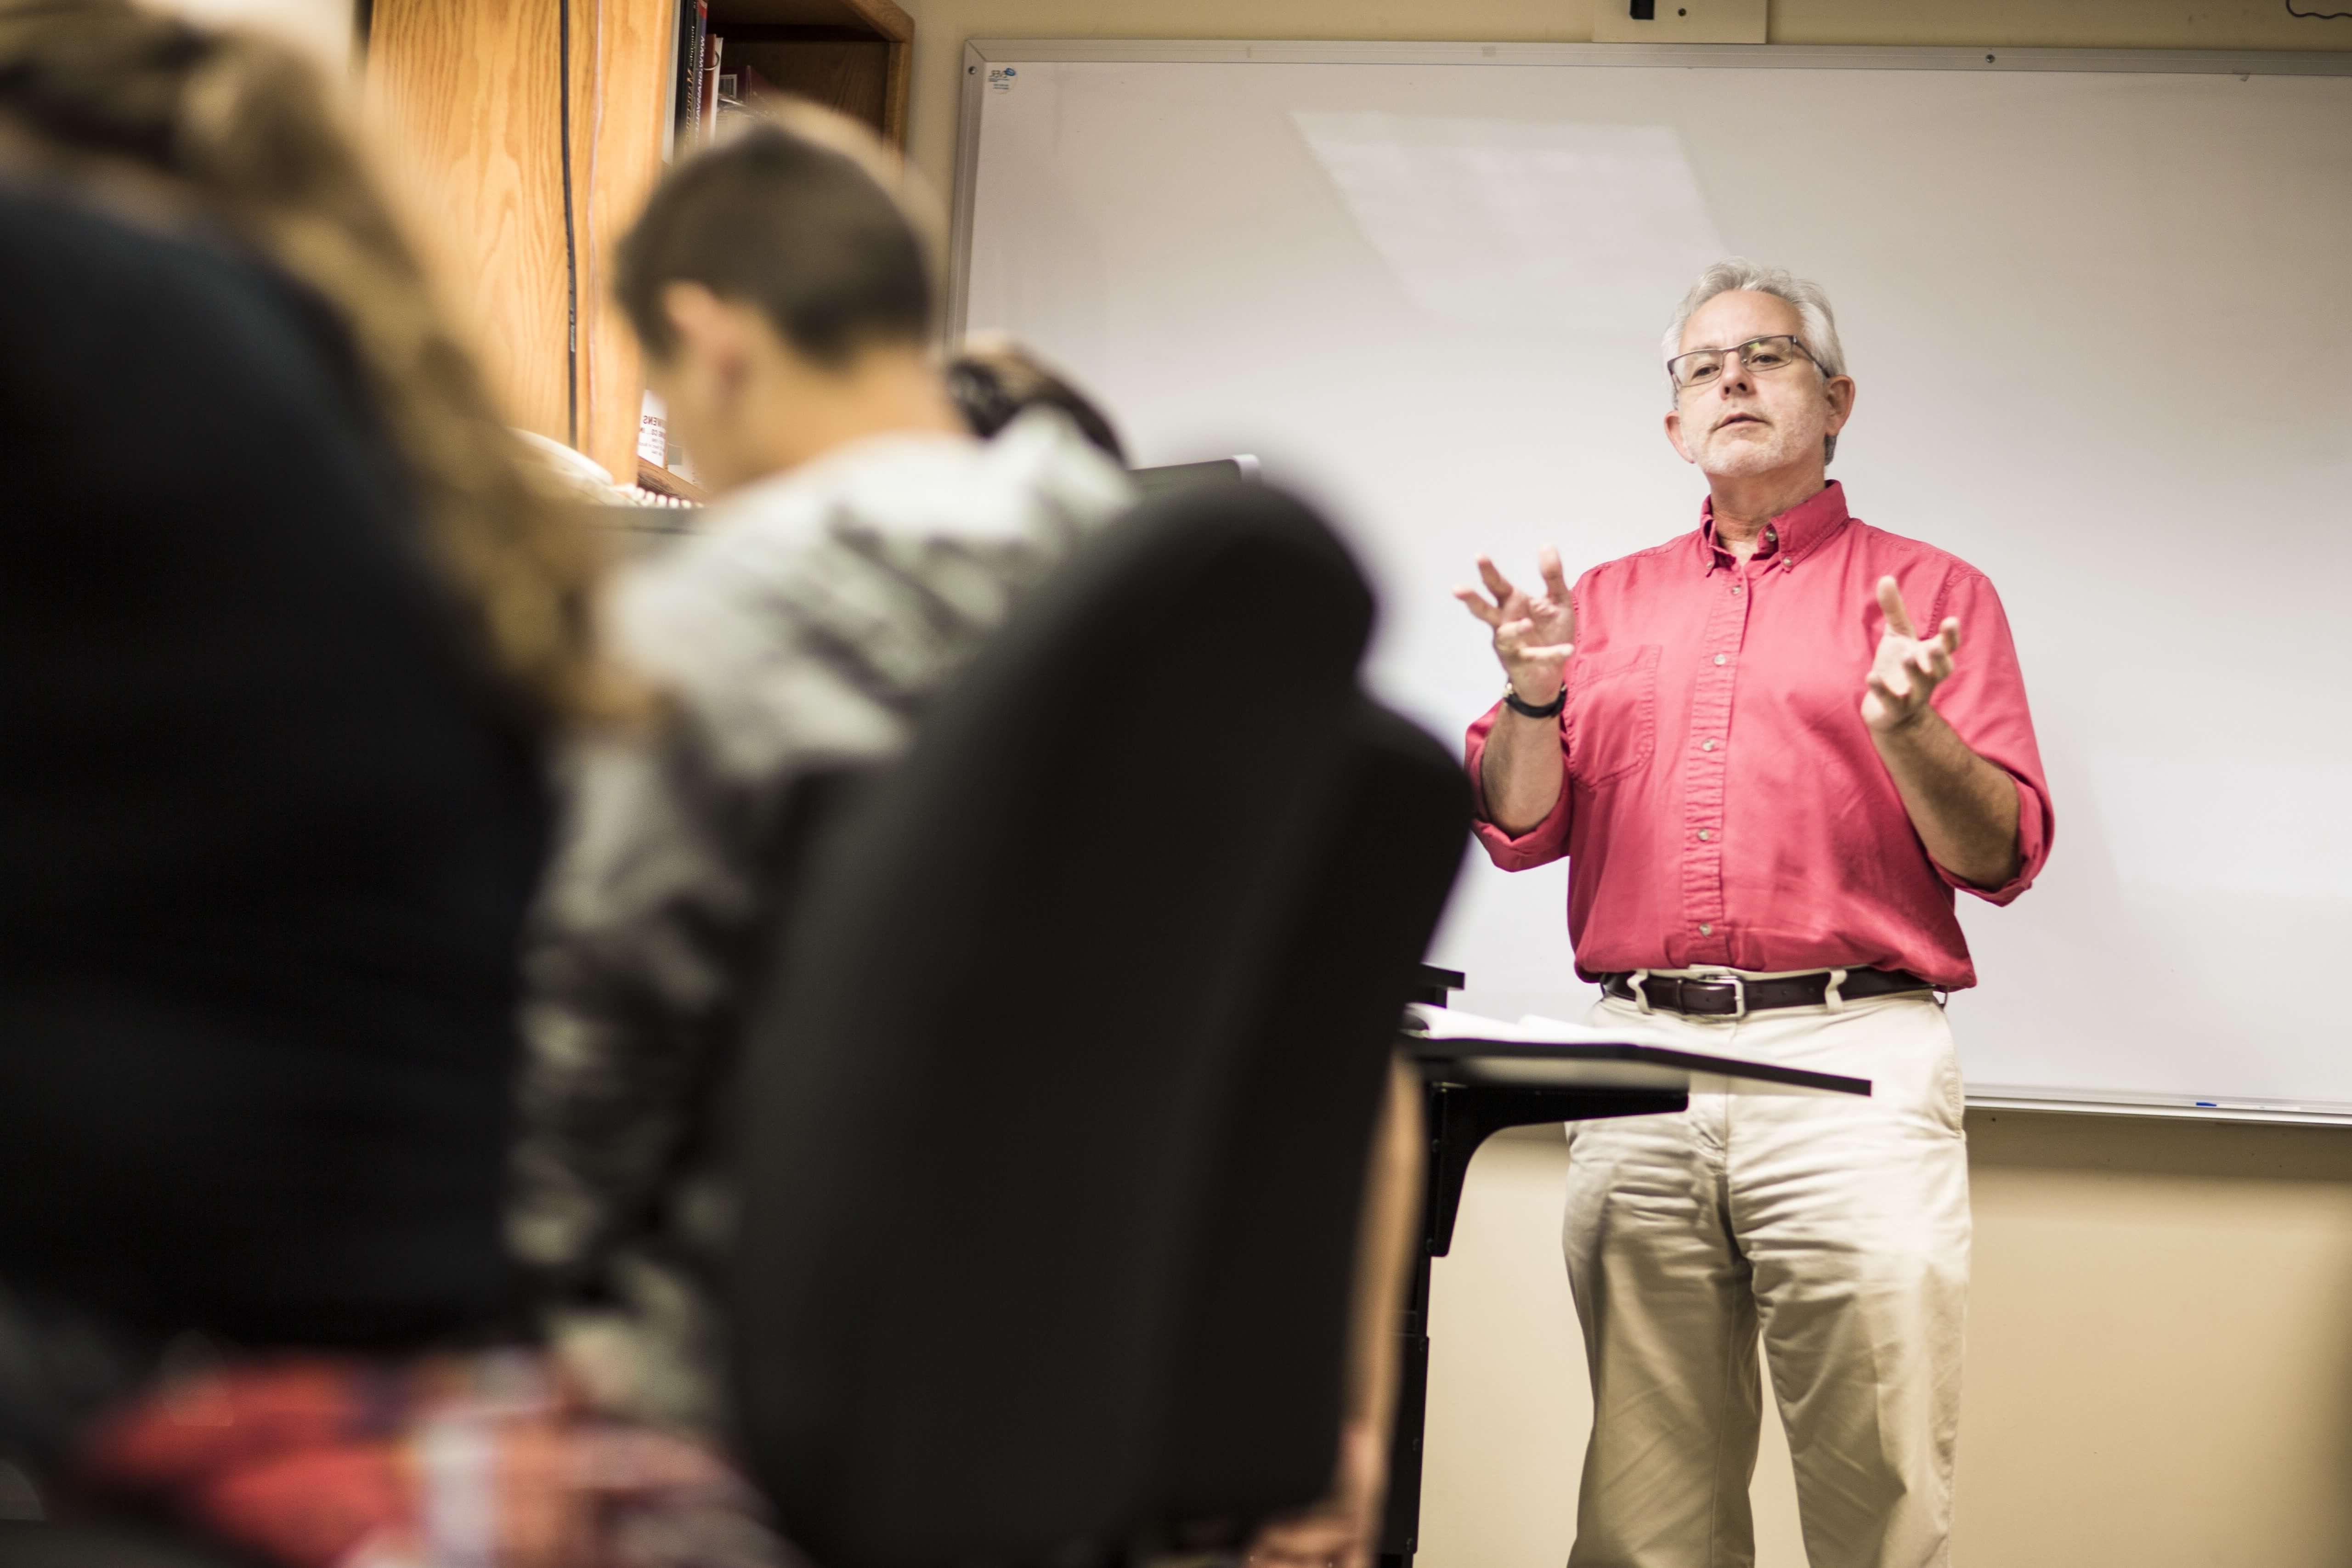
[1473, 1088]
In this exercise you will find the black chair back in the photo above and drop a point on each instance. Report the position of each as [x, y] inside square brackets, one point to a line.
[983, 1108]
[1282, 1229]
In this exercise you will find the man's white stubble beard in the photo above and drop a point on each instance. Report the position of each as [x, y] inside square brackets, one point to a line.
[1734, 459]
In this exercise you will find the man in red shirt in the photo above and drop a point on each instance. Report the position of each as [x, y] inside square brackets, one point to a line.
[1768, 778]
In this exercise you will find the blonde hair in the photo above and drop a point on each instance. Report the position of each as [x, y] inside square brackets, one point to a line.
[178, 124]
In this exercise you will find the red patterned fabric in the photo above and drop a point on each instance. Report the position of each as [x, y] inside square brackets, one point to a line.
[474, 1461]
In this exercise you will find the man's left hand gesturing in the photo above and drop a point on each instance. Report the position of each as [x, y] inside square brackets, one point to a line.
[1908, 668]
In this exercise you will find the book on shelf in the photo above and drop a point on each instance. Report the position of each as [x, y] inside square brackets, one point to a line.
[712, 44]
[653, 432]
[655, 445]
[693, 42]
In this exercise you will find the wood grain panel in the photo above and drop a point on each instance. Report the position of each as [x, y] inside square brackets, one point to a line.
[894, 104]
[879, 17]
[621, 62]
[469, 95]
[887, 18]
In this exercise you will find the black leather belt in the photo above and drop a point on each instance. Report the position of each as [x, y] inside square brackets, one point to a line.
[1733, 997]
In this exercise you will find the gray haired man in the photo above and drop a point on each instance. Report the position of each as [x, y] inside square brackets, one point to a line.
[1768, 781]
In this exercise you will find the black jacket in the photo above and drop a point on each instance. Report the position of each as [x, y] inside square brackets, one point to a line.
[267, 829]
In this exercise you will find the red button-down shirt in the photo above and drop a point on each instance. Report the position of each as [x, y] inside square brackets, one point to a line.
[1724, 804]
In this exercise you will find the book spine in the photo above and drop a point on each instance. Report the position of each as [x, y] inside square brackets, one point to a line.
[681, 78]
[710, 87]
[694, 28]
[653, 432]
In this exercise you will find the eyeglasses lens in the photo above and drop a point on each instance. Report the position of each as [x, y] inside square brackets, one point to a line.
[1761, 355]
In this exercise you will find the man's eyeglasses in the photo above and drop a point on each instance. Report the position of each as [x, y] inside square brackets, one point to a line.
[1762, 356]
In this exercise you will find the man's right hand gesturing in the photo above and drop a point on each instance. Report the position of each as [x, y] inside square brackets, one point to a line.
[1534, 636]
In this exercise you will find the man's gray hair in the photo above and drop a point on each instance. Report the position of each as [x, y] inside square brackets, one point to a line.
[1816, 322]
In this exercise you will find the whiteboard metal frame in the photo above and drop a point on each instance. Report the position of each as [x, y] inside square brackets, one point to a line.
[980, 53]
[2172, 1108]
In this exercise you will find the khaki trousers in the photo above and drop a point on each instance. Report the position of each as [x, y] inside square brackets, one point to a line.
[1840, 1227]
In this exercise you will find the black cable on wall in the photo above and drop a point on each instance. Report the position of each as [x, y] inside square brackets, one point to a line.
[571, 231]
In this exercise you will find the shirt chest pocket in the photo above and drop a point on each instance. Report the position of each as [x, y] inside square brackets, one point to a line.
[1612, 713]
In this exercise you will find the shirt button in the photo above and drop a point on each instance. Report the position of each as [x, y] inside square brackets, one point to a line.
[1718, 659]
[1770, 537]
[1704, 928]
[1704, 836]
[1737, 592]
[1707, 745]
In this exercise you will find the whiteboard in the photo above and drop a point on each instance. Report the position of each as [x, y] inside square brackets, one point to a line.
[2099, 307]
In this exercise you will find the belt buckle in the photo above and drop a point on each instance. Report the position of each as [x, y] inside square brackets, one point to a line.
[1738, 996]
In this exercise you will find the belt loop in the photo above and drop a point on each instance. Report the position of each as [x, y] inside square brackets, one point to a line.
[1638, 983]
[1834, 997]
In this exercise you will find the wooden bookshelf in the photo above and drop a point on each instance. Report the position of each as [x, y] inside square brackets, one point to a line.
[661, 482]
[850, 55]
[470, 98]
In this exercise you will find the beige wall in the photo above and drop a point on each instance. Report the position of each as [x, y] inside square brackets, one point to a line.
[2161, 1349]
[2159, 1355]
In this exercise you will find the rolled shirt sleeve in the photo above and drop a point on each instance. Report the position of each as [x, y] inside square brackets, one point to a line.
[1545, 842]
[1984, 702]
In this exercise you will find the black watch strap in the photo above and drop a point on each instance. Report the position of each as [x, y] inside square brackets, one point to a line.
[1529, 710]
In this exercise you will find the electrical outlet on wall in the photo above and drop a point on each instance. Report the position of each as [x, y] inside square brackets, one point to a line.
[1678, 21]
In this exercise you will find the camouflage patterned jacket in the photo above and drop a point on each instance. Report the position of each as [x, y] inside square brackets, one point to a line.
[803, 627]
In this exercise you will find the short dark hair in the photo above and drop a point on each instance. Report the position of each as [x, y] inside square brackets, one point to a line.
[778, 220]
[993, 382]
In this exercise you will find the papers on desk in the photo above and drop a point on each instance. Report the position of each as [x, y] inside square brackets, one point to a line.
[1544, 1053]
[1435, 1023]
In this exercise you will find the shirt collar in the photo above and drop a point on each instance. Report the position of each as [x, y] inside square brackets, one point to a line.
[1793, 534]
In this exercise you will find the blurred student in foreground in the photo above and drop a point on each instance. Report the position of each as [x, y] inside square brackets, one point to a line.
[284, 635]
[865, 544]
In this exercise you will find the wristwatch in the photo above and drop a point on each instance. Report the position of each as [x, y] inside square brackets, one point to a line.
[1529, 710]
